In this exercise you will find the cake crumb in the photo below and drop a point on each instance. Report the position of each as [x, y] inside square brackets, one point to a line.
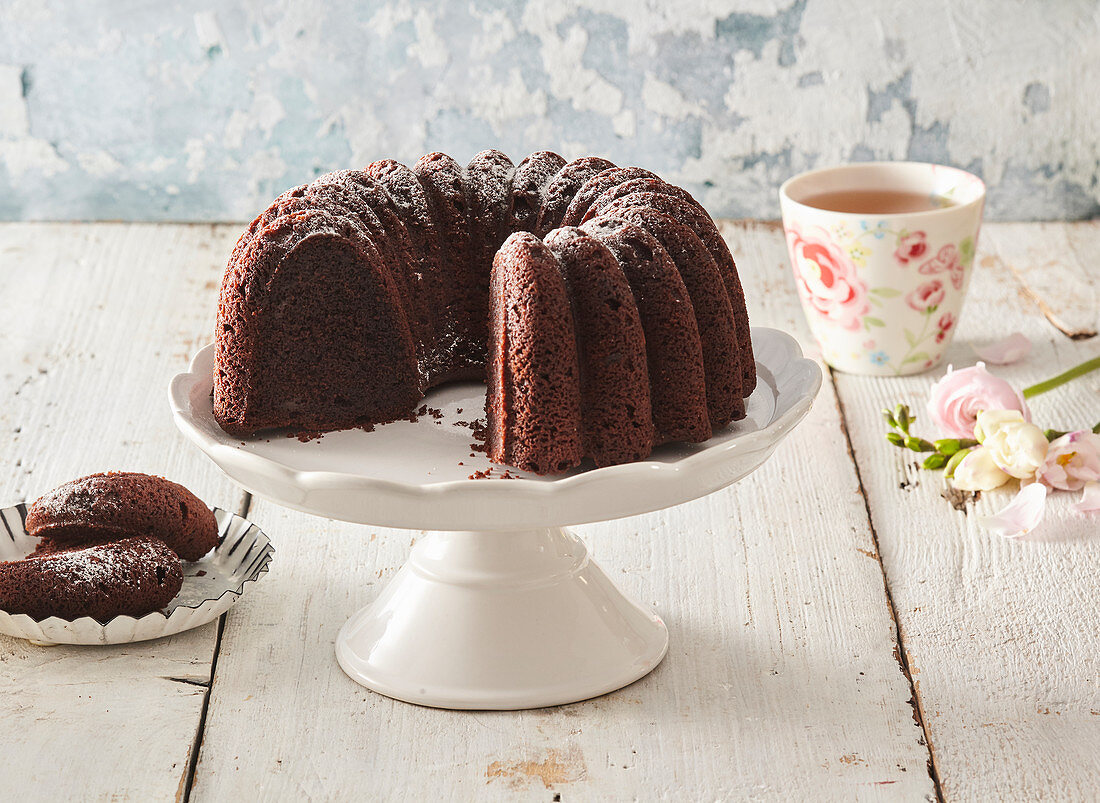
[487, 474]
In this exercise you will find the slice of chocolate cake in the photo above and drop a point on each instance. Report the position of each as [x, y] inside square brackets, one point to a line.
[533, 402]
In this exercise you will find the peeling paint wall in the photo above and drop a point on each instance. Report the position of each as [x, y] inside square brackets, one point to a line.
[202, 111]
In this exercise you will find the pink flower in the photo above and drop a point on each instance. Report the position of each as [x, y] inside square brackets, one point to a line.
[827, 279]
[926, 297]
[1012, 348]
[1021, 515]
[946, 260]
[1090, 498]
[911, 246]
[1072, 461]
[946, 321]
[955, 401]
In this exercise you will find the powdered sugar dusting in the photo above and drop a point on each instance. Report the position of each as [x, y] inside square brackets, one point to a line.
[107, 564]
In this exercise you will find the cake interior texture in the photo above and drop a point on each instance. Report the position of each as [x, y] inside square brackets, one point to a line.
[600, 305]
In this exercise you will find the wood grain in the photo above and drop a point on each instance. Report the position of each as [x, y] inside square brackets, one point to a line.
[96, 319]
[784, 676]
[1001, 635]
[1055, 264]
[781, 679]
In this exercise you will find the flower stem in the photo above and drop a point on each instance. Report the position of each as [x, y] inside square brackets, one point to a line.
[1061, 379]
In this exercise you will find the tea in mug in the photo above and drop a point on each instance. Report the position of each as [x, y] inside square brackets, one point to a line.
[876, 202]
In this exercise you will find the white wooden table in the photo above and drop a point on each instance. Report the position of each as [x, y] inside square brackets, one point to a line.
[838, 629]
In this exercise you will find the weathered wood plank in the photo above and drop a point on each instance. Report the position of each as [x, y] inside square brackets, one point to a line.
[780, 681]
[1001, 635]
[96, 319]
[1055, 265]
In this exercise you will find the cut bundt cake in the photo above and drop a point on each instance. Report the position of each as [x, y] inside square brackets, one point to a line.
[534, 400]
[312, 333]
[350, 297]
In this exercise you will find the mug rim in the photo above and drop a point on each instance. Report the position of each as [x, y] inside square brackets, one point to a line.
[784, 188]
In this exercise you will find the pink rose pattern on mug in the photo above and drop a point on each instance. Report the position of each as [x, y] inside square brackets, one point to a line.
[827, 270]
[883, 294]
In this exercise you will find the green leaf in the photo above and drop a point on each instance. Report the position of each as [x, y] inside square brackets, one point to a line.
[920, 356]
[912, 338]
[948, 446]
[870, 320]
[889, 416]
[966, 251]
[953, 463]
[885, 292]
[877, 302]
[895, 439]
[915, 444]
[903, 417]
[935, 461]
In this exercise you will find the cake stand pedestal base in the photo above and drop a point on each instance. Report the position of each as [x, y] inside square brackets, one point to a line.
[500, 620]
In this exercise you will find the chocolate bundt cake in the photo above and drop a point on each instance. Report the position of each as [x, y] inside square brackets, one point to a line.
[117, 505]
[350, 297]
[131, 577]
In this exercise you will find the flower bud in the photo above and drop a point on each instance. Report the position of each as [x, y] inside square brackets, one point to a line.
[978, 472]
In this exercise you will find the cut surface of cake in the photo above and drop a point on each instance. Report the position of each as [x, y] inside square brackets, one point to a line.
[533, 400]
[351, 296]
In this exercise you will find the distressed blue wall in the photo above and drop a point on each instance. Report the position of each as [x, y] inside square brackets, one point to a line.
[203, 111]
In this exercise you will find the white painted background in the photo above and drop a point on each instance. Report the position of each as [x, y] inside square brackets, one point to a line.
[193, 110]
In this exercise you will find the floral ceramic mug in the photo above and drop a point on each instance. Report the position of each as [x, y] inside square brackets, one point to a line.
[882, 291]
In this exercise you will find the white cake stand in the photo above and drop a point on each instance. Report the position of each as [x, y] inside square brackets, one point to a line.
[498, 607]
